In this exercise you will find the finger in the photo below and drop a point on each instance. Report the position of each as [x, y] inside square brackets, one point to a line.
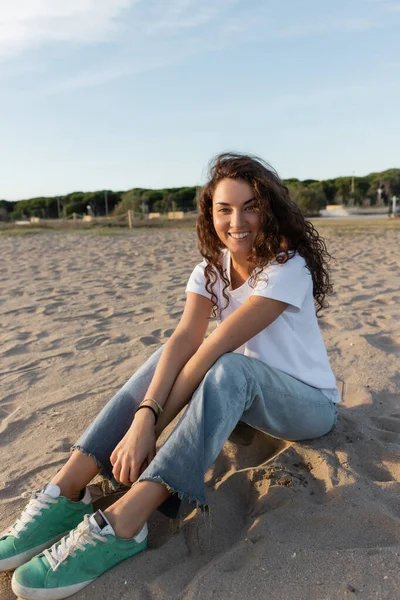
[116, 470]
[150, 456]
[124, 475]
[144, 466]
[134, 473]
[113, 457]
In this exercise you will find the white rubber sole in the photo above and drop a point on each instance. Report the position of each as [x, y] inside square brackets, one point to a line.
[9, 564]
[28, 593]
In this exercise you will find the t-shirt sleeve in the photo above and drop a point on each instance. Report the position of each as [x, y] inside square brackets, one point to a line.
[288, 282]
[197, 281]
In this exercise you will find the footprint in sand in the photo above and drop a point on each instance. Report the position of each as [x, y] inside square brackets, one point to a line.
[326, 325]
[54, 344]
[62, 445]
[23, 335]
[391, 424]
[361, 298]
[149, 340]
[91, 342]
[51, 309]
[9, 407]
[17, 349]
[386, 343]
[373, 460]
[172, 287]
[387, 437]
[378, 473]
[11, 430]
[168, 332]
[176, 315]
[20, 311]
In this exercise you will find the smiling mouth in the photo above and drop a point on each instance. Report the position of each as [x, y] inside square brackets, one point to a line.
[239, 236]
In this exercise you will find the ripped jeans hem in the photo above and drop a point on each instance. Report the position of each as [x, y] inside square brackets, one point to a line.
[99, 465]
[183, 496]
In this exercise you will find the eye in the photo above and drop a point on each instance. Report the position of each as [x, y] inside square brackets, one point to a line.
[223, 210]
[251, 207]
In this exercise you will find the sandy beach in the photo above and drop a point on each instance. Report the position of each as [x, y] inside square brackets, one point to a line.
[316, 520]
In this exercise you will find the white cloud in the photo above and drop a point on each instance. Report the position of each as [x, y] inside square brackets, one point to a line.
[170, 17]
[26, 24]
[148, 34]
[268, 25]
[145, 33]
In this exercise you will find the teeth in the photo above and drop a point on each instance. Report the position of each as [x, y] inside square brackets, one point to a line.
[239, 236]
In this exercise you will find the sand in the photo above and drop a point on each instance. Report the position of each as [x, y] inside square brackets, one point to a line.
[297, 521]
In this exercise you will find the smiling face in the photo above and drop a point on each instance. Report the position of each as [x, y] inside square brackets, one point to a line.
[235, 216]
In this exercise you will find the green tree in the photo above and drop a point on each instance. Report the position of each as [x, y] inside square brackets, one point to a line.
[360, 193]
[343, 185]
[330, 190]
[309, 199]
[130, 200]
[154, 200]
[393, 178]
[186, 198]
[6, 209]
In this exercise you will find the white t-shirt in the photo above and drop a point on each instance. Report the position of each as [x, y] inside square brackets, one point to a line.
[293, 342]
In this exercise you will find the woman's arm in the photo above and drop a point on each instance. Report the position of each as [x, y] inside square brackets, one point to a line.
[137, 448]
[181, 346]
[253, 316]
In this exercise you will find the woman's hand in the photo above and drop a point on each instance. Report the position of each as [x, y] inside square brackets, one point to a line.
[136, 450]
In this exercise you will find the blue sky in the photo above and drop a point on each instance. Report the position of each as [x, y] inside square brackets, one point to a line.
[117, 94]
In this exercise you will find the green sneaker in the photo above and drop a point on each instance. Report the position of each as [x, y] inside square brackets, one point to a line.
[47, 517]
[78, 559]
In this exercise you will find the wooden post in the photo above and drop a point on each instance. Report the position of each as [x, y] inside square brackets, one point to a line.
[130, 218]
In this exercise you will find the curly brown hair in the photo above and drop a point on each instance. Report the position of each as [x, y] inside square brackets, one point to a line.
[283, 231]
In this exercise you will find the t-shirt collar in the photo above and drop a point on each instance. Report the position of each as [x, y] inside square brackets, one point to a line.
[227, 267]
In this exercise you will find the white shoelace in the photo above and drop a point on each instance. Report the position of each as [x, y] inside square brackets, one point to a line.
[78, 538]
[39, 502]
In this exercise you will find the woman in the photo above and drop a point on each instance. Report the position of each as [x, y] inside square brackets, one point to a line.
[264, 272]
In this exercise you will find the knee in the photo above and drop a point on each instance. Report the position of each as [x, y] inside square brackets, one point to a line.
[231, 361]
[228, 369]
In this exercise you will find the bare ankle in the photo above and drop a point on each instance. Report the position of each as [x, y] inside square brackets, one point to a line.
[74, 496]
[68, 491]
[78, 471]
[122, 530]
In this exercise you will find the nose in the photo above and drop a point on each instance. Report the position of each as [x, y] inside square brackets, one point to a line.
[237, 218]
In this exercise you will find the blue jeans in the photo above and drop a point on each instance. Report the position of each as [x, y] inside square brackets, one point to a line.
[236, 388]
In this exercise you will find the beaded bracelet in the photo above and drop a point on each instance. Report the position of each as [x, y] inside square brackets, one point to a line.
[152, 410]
[159, 407]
